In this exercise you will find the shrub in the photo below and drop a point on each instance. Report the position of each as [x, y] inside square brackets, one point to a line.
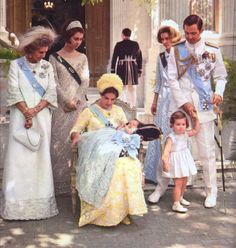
[229, 103]
[9, 54]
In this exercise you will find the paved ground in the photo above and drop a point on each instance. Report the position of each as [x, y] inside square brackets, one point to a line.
[159, 228]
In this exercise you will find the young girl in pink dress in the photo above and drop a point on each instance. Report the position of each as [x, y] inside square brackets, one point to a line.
[177, 160]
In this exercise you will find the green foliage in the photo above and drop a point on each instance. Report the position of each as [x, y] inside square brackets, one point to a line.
[148, 4]
[9, 54]
[229, 103]
[90, 2]
[6, 55]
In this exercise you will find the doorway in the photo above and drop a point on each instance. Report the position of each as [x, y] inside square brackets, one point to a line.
[97, 39]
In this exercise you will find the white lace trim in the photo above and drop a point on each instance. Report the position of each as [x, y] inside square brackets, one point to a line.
[32, 209]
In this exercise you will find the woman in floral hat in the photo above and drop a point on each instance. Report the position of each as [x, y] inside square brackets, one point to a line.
[110, 199]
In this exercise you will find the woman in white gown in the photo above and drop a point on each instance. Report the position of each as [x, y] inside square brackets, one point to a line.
[28, 190]
[167, 35]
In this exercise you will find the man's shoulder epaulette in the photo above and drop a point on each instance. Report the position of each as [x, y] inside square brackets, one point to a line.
[179, 43]
[211, 44]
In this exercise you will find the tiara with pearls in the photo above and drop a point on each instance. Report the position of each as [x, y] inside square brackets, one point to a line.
[74, 24]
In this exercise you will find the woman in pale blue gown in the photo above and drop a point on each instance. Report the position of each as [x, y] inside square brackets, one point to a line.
[167, 35]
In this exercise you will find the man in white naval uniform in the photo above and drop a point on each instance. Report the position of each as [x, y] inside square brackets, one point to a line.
[192, 66]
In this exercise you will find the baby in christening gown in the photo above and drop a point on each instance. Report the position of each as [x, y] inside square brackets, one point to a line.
[98, 152]
[126, 137]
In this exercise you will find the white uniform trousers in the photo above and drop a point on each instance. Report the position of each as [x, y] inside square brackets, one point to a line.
[129, 94]
[162, 182]
[206, 153]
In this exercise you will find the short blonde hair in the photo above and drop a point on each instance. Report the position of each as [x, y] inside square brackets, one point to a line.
[175, 36]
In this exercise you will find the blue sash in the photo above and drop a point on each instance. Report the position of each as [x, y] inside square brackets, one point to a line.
[94, 109]
[203, 88]
[30, 76]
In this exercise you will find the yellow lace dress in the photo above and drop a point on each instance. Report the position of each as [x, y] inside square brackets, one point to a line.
[125, 195]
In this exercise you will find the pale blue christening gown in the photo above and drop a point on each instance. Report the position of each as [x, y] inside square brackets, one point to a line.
[98, 153]
[161, 119]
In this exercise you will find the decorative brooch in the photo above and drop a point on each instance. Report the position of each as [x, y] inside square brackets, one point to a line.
[45, 66]
[43, 73]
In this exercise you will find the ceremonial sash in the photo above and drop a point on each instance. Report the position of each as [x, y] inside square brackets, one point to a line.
[30, 76]
[94, 109]
[163, 59]
[69, 68]
[203, 88]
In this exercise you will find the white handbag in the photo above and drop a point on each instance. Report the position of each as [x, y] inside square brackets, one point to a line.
[30, 138]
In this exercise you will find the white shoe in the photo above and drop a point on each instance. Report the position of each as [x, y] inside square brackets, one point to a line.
[155, 196]
[177, 207]
[210, 202]
[184, 202]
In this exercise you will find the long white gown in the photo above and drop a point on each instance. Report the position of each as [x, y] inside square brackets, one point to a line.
[28, 190]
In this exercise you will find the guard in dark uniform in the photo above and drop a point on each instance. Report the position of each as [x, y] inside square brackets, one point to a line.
[127, 63]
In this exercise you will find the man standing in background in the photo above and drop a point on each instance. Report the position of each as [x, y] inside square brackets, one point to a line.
[127, 64]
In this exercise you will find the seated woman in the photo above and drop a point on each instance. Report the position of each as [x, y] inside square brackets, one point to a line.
[118, 194]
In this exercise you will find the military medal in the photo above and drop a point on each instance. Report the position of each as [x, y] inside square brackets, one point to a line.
[205, 105]
[201, 72]
[208, 66]
[212, 57]
[205, 55]
[206, 77]
[45, 66]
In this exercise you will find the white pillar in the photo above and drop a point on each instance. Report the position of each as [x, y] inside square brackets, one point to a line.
[2, 17]
[150, 77]
[6, 39]
[228, 28]
[117, 21]
[130, 14]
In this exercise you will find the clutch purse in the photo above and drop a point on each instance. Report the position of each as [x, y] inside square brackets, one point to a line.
[30, 138]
